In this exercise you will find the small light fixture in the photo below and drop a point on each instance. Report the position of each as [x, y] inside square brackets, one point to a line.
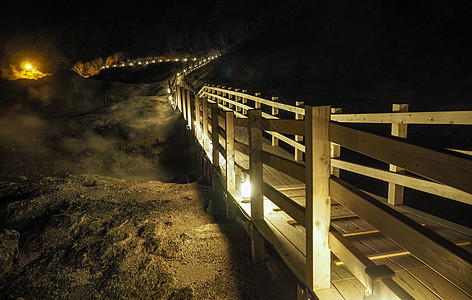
[170, 97]
[168, 90]
[246, 189]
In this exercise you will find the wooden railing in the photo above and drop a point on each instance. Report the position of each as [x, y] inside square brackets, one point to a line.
[213, 114]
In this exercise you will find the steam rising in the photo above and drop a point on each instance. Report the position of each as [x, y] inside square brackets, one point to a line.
[60, 124]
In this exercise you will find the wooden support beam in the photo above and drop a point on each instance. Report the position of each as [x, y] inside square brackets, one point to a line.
[440, 166]
[257, 104]
[275, 113]
[244, 100]
[256, 177]
[179, 97]
[335, 148]
[230, 159]
[318, 201]
[184, 102]
[215, 137]
[237, 99]
[189, 110]
[299, 138]
[198, 118]
[438, 253]
[395, 191]
[206, 137]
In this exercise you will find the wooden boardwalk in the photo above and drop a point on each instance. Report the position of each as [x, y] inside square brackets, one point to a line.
[283, 222]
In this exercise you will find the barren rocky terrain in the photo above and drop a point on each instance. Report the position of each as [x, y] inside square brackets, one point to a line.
[91, 206]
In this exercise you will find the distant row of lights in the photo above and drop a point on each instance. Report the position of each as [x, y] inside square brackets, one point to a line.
[201, 63]
[147, 62]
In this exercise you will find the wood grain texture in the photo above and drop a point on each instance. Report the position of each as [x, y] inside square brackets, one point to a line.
[430, 117]
[215, 139]
[318, 201]
[255, 163]
[446, 168]
[446, 258]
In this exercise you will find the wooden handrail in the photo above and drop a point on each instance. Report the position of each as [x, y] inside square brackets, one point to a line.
[432, 117]
[446, 168]
[419, 184]
[450, 174]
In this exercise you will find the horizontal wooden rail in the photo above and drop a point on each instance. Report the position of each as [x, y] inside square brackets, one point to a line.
[290, 167]
[431, 117]
[293, 127]
[405, 180]
[377, 279]
[442, 173]
[446, 168]
[270, 103]
[292, 208]
[440, 254]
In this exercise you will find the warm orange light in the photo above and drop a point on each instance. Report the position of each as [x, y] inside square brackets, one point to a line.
[28, 66]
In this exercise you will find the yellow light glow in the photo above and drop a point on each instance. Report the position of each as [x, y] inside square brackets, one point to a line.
[246, 189]
[26, 70]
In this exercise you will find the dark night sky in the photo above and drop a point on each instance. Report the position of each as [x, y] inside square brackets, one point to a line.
[381, 31]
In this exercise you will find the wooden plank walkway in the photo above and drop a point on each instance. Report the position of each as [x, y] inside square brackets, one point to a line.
[280, 201]
[415, 277]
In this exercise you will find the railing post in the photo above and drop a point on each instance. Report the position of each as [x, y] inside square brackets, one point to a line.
[230, 172]
[230, 97]
[318, 201]
[299, 138]
[257, 104]
[218, 93]
[244, 101]
[275, 112]
[205, 124]
[178, 96]
[198, 132]
[189, 110]
[335, 148]
[184, 103]
[236, 98]
[395, 191]
[256, 173]
[215, 136]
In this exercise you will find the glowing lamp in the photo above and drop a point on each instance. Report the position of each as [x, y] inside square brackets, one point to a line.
[170, 97]
[153, 61]
[168, 91]
[178, 74]
[210, 147]
[28, 66]
[246, 189]
[139, 63]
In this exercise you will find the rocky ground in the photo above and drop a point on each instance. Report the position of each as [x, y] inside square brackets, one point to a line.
[91, 207]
